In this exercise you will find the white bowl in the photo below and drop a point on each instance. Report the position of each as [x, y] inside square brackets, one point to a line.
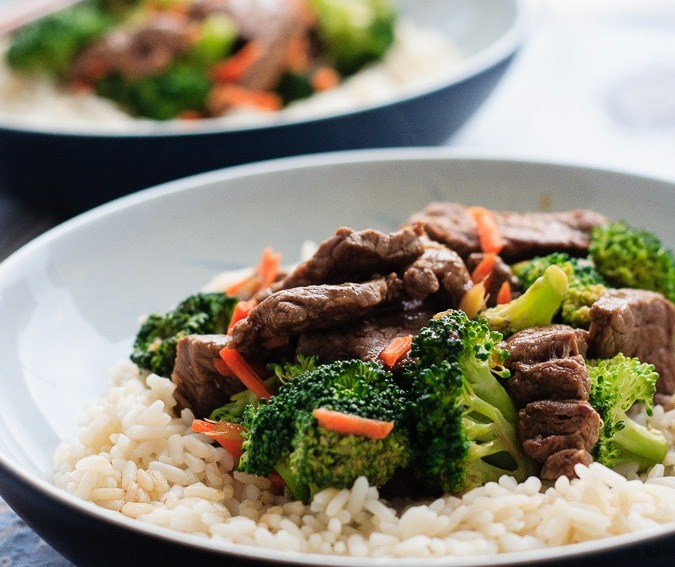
[70, 302]
[85, 163]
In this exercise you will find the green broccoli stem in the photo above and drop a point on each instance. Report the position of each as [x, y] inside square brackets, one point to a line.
[537, 306]
[640, 444]
[299, 490]
[496, 439]
[486, 386]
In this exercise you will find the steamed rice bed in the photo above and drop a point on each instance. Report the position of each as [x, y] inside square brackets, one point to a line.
[133, 455]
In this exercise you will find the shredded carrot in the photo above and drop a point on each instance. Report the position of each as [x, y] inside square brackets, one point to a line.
[241, 311]
[395, 350]
[504, 293]
[325, 79]
[234, 67]
[229, 95]
[222, 368]
[350, 424]
[190, 115]
[244, 372]
[473, 300]
[297, 54]
[268, 268]
[489, 236]
[484, 269]
[226, 433]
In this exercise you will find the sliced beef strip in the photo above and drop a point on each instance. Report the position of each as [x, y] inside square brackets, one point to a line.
[450, 224]
[557, 379]
[365, 339]
[199, 386]
[636, 323]
[273, 24]
[548, 426]
[525, 234]
[353, 256]
[501, 273]
[563, 462]
[539, 344]
[291, 311]
[438, 269]
[133, 51]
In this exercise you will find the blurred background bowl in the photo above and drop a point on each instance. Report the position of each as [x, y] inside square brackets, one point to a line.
[70, 170]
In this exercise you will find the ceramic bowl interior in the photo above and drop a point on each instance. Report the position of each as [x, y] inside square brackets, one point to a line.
[70, 302]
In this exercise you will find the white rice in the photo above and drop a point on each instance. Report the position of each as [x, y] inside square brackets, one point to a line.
[418, 58]
[134, 456]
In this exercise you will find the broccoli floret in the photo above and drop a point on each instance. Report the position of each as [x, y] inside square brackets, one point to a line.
[215, 39]
[627, 256]
[616, 385]
[49, 44]
[354, 32]
[282, 434]
[537, 306]
[586, 285]
[154, 348]
[164, 96]
[464, 422]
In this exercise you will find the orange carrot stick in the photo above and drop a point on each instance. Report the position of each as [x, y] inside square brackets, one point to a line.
[325, 78]
[268, 268]
[395, 350]
[489, 236]
[234, 67]
[226, 433]
[504, 293]
[484, 269]
[241, 311]
[350, 424]
[244, 372]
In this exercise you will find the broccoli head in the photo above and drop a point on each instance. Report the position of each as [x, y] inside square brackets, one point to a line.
[163, 96]
[537, 306]
[464, 423]
[586, 285]
[49, 44]
[627, 256]
[154, 348]
[354, 32]
[617, 384]
[283, 435]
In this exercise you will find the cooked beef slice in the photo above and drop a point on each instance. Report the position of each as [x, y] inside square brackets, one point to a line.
[365, 339]
[450, 224]
[539, 344]
[354, 256]
[563, 462]
[438, 270]
[291, 311]
[548, 426]
[556, 379]
[199, 386]
[273, 24]
[525, 234]
[500, 273]
[133, 51]
[636, 323]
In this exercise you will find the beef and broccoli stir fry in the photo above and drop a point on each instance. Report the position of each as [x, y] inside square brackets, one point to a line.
[465, 345]
[166, 59]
